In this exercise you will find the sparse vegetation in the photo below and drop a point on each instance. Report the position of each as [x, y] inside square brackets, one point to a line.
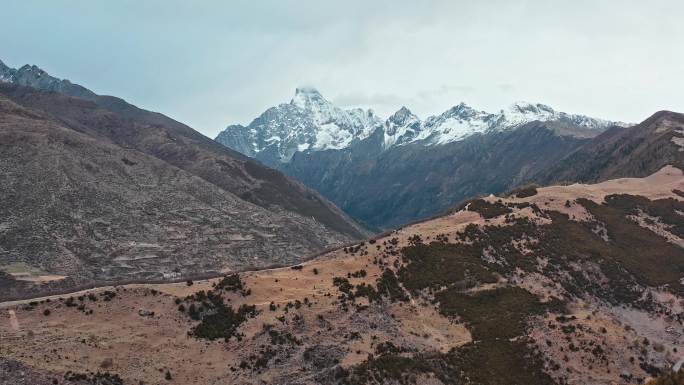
[493, 314]
[669, 378]
[107, 295]
[488, 210]
[388, 285]
[606, 256]
[282, 338]
[488, 362]
[94, 379]
[386, 368]
[438, 264]
[218, 320]
[650, 259]
[232, 283]
[358, 274]
[222, 322]
[524, 191]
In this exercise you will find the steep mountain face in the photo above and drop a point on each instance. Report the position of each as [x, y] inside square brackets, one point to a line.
[108, 192]
[194, 153]
[406, 183]
[635, 151]
[578, 284]
[386, 173]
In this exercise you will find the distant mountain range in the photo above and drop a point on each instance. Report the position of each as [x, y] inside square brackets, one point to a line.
[96, 189]
[388, 172]
[312, 123]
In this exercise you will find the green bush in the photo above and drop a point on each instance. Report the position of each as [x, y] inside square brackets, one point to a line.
[223, 323]
[488, 210]
[669, 378]
[501, 313]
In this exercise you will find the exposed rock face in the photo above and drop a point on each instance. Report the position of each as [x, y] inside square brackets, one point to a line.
[33, 76]
[406, 183]
[14, 373]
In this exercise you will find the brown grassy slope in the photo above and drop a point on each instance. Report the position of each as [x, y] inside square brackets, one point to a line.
[522, 305]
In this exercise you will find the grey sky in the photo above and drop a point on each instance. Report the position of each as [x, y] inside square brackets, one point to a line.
[213, 63]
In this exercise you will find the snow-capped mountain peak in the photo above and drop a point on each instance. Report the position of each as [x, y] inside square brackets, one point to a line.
[455, 124]
[460, 109]
[403, 116]
[357, 121]
[310, 122]
[523, 112]
[400, 128]
[524, 107]
[308, 98]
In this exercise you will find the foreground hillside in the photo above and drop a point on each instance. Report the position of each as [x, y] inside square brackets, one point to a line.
[570, 284]
[95, 189]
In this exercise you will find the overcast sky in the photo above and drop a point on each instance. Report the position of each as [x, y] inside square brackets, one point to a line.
[214, 63]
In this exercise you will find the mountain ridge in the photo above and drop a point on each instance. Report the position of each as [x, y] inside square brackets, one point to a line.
[408, 183]
[312, 123]
[634, 151]
[116, 192]
[33, 77]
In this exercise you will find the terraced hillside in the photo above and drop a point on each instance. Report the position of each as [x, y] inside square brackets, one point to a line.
[91, 195]
[570, 284]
